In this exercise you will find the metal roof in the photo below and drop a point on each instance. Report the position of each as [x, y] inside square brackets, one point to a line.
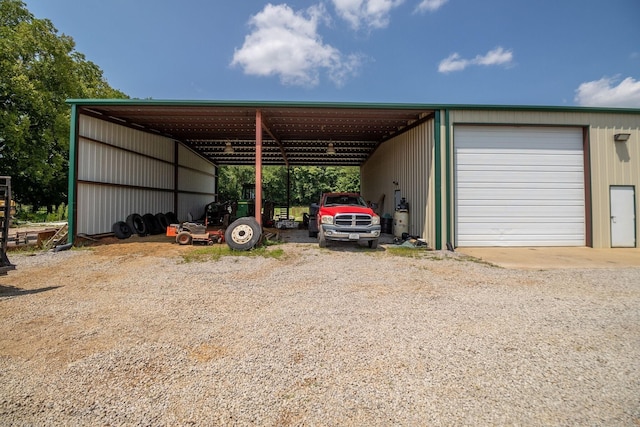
[294, 133]
[297, 134]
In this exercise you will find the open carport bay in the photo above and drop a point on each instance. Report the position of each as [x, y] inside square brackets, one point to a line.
[131, 334]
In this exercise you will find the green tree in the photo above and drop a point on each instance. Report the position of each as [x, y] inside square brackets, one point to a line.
[306, 183]
[39, 70]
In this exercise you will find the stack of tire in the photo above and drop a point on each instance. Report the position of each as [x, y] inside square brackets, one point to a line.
[144, 225]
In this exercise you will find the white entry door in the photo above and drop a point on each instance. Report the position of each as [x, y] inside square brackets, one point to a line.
[623, 217]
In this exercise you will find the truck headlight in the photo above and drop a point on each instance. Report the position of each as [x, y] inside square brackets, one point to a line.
[326, 219]
[375, 220]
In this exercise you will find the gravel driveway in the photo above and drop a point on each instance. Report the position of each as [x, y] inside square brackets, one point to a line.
[130, 334]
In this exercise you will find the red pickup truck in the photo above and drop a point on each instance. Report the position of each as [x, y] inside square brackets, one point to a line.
[345, 217]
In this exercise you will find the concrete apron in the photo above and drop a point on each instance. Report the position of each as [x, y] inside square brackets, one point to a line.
[551, 257]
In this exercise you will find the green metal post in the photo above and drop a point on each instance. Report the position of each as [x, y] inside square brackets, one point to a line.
[73, 169]
[437, 161]
[448, 172]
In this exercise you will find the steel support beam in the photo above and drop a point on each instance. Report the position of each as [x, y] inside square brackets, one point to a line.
[266, 127]
[259, 166]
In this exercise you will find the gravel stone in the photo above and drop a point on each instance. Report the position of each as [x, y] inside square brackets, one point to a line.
[130, 334]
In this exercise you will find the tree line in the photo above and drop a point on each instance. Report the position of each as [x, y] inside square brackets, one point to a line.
[300, 185]
[39, 70]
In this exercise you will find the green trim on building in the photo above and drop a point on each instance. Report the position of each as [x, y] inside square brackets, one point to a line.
[346, 105]
[437, 162]
[448, 171]
[73, 155]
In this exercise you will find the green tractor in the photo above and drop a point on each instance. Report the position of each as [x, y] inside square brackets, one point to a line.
[246, 206]
[224, 213]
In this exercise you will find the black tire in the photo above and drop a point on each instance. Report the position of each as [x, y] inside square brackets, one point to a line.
[322, 241]
[373, 244]
[172, 218]
[162, 220]
[243, 234]
[137, 224]
[313, 234]
[122, 230]
[152, 223]
[184, 238]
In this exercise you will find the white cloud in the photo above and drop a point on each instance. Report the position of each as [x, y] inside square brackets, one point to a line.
[453, 63]
[604, 93]
[286, 43]
[497, 56]
[430, 5]
[366, 13]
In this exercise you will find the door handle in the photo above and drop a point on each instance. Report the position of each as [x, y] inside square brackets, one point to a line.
[613, 218]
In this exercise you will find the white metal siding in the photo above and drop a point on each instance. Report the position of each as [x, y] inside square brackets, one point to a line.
[405, 159]
[519, 186]
[123, 171]
[196, 183]
[100, 206]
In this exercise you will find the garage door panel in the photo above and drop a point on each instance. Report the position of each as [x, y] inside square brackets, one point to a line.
[500, 178]
[506, 229]
[523, 186]
[519, 186]
[533, 159]
[516, 211]
[477, 195]
[489, 240]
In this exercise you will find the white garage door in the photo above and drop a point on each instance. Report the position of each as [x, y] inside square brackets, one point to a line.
[519, 186]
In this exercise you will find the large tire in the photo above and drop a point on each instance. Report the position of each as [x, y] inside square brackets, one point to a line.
[172, 218]
[313, 234]
[122, 230]
[322, 241]
[162, 220]
[152, 223]
[184, 238]
[243, 234]
[373, 244]
[137, 224]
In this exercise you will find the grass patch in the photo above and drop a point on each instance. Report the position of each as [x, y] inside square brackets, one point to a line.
[215, 252]
[410, 252]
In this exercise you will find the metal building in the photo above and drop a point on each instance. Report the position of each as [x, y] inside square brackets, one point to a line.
[473, 175]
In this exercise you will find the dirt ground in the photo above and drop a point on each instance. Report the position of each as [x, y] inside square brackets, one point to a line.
[126, 332]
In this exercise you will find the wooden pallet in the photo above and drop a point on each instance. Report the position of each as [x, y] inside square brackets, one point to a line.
[58, 239]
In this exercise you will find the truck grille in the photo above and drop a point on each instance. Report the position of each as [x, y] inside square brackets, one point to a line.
[352, 220]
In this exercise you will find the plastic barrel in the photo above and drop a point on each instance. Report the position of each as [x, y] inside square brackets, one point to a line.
[386, 225]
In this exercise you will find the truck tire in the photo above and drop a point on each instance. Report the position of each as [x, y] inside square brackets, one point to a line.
[322, 241]
[171, 218]
[122, 230]
[313, 234]
[153, 226]
[137, 224]
[184, 238]
[162, 220]
[243, 234]
[373, 244]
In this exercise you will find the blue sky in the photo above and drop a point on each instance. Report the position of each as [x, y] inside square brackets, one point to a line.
[514, 52]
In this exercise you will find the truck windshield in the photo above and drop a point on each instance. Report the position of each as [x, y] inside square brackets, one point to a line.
[344, 200]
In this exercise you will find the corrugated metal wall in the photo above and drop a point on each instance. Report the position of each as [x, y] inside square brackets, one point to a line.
[406, 159]
[121, 171]
[611, 163]
[196, 181]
